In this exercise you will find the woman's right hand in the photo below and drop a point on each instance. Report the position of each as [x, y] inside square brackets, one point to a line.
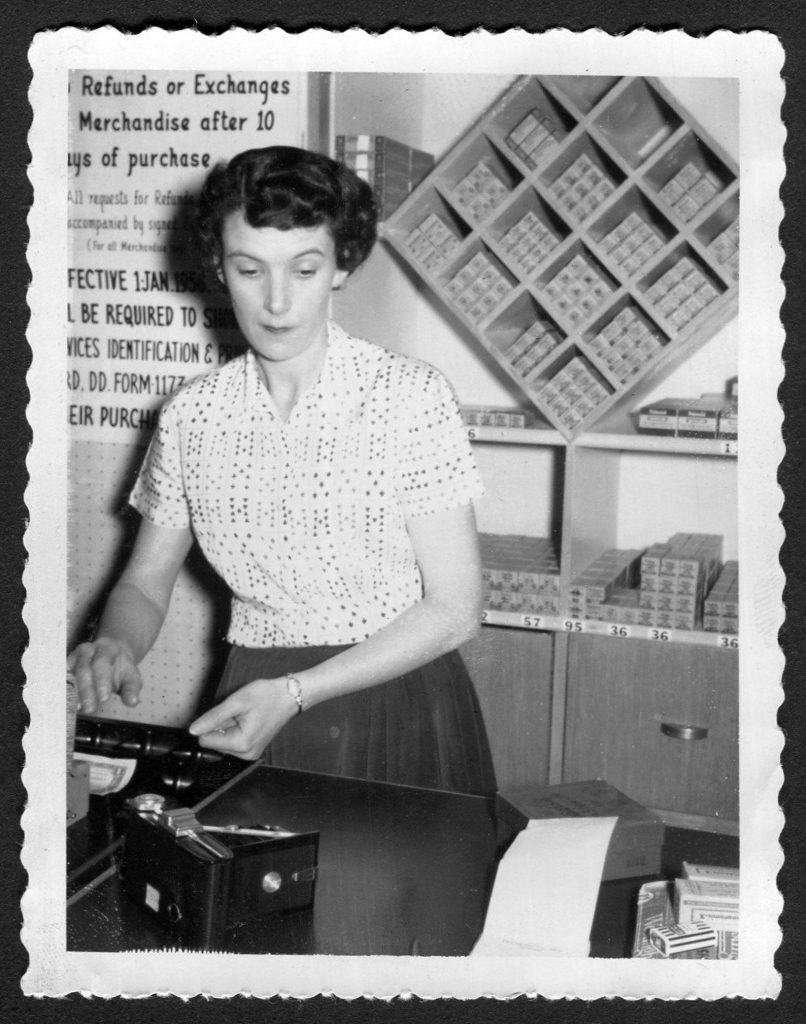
[102, 667]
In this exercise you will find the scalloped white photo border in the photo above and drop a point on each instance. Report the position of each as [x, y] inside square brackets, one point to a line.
[755, 59]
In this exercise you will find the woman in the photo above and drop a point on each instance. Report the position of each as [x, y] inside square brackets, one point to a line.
[330, 483]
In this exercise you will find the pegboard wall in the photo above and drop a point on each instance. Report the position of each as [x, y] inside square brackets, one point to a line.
[186, 658]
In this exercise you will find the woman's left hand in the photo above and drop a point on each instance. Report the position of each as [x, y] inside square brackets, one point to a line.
[244, 723]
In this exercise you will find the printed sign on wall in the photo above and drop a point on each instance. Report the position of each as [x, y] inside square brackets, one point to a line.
[140, 320]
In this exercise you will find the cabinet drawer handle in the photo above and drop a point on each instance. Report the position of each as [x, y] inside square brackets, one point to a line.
[683, 732]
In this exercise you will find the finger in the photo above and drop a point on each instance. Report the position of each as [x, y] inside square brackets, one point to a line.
[130, 686]
[233, 742]
[92, 681]
[222, 716]
[103, 673]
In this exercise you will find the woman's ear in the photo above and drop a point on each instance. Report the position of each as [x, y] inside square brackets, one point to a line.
[339, 278]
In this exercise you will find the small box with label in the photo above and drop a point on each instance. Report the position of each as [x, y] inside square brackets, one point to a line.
[689, 190]
[721, 605]
[626, 343]
[534, 136]
[478, 287]
[582, 187]
[431, 242]
[580, 279]
[521, 565]
[574, 391]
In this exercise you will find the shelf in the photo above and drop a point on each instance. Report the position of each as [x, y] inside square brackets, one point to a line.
[660, 445]
[515, 435]
[616, 630]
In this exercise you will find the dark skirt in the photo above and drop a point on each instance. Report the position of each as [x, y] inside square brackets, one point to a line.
[421, 729]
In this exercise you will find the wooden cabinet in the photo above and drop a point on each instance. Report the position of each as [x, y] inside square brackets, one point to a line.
[512, 673]
[657, 720]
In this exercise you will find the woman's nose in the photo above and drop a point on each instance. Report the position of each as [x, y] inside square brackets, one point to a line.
[277, 297]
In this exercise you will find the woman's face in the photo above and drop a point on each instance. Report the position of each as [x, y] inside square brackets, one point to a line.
[280, 284]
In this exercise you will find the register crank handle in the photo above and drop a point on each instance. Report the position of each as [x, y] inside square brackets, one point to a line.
[181, 821]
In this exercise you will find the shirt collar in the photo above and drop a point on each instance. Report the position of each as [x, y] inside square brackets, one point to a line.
[327, 393]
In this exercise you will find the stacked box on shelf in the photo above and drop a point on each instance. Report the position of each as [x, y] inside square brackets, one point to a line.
[622, 606]
[573, 393]
[534, 136]
[632, 243]
[675, 577]
[701, 417]
[689, 190]
[392, 168]
[578, 289]
[480, 191]
[478, 287]
[709, 417]
[612, 573]
[431, 242]
[721, 607]
[728, 428]
[529, 241]
[682, 293]
[531, 347]
[626, 343]
[520, 574]
[487, 416]
[725, 249]
[581, 188]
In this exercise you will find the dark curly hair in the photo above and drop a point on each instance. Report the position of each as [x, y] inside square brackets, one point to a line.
[284, 187]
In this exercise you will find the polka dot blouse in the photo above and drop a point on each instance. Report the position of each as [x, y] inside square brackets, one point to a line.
[305, 519]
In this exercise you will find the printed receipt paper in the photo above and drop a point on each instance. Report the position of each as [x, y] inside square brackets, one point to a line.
[546, 888]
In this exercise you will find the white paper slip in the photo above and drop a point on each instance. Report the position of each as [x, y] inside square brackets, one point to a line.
[108, 774]
[546, 888]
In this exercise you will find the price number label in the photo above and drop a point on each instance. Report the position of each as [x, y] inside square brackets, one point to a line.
[616, 629]
[573, 626]
[728, 641]
[472, 433]
[530, 621]
[663, 635]
[730, 448]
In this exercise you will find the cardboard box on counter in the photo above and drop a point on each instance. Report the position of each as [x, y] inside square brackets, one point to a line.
[635, 847]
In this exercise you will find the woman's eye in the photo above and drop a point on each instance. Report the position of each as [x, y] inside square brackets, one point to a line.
[306, 271]
[247, 271]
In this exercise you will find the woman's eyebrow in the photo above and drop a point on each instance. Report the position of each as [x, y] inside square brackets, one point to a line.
[248, 255]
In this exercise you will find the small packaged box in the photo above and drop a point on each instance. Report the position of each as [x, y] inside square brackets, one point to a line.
[700, 418]
[671, 192]
[715, 903]
[704, 190]
[686, 207]
[710, 873]
[674, 938]
[688, 176]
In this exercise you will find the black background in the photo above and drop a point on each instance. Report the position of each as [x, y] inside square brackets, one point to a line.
[20, 21]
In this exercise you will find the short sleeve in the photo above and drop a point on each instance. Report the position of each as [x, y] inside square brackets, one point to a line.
[159, 492]
[436, 469]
